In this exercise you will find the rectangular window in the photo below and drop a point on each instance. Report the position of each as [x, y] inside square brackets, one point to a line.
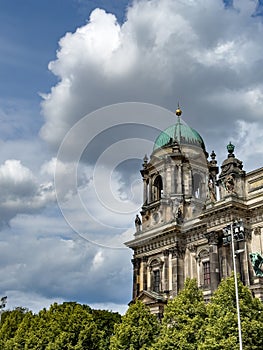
[156, 280]
[206, 269]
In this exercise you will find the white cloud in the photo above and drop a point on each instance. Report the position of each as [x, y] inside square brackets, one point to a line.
[165, 50]
[29, 300]
[196, 51]
[98, 260]
[16, 176]
[98, 210]
[36, 302]
[249, 142]
[21, 192]
[42, 256]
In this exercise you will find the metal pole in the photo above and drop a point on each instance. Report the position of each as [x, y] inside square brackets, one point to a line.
[236, 288]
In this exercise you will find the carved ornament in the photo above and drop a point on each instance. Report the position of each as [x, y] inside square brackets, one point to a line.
[257, 231]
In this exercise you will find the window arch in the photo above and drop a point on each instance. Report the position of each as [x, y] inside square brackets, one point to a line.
[204, 265]
[197, 179]
[156, 274]
[157, 188]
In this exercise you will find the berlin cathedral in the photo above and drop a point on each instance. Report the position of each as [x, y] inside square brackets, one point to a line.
[192, 212]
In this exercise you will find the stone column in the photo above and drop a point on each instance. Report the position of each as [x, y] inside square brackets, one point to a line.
[136, 277]
[193, 268]
[170, 272]
[177, 269]
[165, 281]
[148, 277]
[179, 179]
[145, 191]
[213, 258]
[144, 273]
[170, 179]
[190, 182]
[175, 179]
[174, 272]
[150, 190]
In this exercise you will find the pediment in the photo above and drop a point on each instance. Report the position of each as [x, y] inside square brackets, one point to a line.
[149, 297]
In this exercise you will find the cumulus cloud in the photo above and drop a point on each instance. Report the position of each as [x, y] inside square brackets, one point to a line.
[164, 51]
[203, 53]
[21, 192]
[99, 210]
[60, 266]
[16, 176]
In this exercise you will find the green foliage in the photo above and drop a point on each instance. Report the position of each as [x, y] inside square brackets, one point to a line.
[183, 318]
[137, 330]
[68, 326]
[221, 329]
[188, 324]
[105, 321]
[10, 322]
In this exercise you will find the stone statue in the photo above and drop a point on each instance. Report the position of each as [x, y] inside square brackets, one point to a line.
[211, 188]
[138, 223]
[257, 263]
[174, 203]
[230, 183]
[179, 216]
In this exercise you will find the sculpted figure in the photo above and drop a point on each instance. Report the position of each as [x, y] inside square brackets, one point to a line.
[230, 183]
[138, 223]
[257, 263]
[211, 189]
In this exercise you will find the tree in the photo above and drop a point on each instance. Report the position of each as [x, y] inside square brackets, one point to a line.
[10, 322]
[105, 321]
[183, 318]
[59, 328]
[137, 330]
[91, 338]
[221, 330]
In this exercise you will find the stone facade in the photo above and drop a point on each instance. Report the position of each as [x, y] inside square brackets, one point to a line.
[187, 202]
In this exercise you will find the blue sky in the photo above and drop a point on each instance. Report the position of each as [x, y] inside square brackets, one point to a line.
[30, 31]
[63, 60]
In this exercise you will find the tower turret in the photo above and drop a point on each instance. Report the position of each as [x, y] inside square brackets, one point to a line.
[232, 177]
[175, 177]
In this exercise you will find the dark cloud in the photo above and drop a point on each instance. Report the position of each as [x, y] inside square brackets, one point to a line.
[68, 269]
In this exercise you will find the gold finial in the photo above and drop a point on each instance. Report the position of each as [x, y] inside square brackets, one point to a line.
[178, 112]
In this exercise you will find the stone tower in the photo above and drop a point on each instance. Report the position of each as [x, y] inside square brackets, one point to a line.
[186, 206]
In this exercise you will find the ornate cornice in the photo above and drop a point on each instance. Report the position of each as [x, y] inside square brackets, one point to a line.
[177, 251]
[192, 248]
[212, 237]
[166, 252]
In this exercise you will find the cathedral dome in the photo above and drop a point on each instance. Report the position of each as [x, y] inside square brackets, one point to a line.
[181, 133]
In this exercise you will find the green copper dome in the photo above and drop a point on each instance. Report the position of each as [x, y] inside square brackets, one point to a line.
[181, 133]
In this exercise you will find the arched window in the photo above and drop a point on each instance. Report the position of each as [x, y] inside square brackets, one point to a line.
[157, 188]
[155, 268]
[204, 263]
[197, 181]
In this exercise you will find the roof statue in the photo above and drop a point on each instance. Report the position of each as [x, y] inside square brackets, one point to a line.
[257, 262]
